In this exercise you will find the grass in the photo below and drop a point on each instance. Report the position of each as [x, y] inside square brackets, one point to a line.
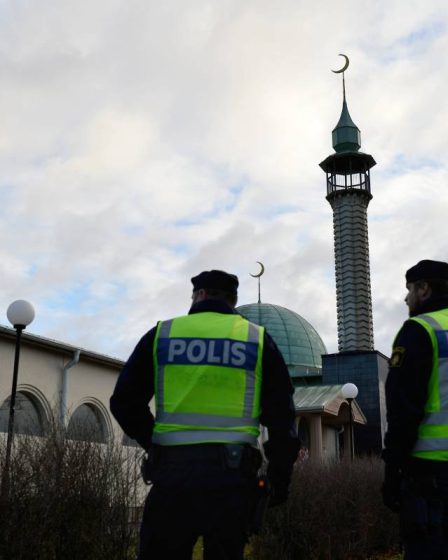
[198, 553]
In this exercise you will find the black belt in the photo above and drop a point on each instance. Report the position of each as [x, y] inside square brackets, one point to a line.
[232, 455]
[186, 453]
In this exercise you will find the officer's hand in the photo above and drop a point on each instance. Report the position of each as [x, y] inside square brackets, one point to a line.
[391, 488]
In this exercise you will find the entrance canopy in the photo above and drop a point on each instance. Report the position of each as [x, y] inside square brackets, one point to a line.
[326, 400]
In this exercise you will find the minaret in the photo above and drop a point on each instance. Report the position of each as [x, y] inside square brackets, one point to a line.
[348, 192]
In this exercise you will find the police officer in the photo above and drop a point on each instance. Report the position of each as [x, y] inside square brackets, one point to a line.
[215, 377]
[416, 442]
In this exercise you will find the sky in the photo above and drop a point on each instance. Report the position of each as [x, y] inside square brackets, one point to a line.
[142, 142]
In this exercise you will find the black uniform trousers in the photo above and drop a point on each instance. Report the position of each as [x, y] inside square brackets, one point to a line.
[194, 497]
[424, 516]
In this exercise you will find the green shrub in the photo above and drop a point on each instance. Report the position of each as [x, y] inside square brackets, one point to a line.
[334, 512]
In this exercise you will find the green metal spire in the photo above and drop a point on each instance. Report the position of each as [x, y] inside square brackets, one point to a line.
[346, 135]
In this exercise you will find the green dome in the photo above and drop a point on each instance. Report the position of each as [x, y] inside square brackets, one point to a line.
[298, 341]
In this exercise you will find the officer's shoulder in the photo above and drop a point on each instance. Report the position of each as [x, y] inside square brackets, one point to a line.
[148, 337]
[410, 339]
[411, 326]
[269, 343]
[411, 332]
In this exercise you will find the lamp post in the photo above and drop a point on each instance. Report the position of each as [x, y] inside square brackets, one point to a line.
[20, 314]
[350, 392]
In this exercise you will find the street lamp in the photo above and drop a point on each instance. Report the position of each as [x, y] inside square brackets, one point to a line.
[350, 392]
[20, 314]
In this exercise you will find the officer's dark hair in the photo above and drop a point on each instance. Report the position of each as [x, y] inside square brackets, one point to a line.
[213, 293]
[438, 287]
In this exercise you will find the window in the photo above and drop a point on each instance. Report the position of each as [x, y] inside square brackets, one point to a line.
[29, 418]
[87, 424]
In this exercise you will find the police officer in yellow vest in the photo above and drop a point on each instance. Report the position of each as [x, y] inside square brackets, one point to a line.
[416, 443]
[215, 377]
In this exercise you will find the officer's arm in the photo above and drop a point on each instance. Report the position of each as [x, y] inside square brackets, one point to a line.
[278, 415]
[129, 403]
[406, 391]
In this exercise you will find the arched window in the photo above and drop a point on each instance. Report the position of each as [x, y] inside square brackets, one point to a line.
[87, 424]
[29, 417]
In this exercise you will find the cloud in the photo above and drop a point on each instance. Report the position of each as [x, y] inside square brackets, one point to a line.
[142, 142]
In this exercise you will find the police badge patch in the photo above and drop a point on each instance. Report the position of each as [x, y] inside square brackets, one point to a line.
[397, 356]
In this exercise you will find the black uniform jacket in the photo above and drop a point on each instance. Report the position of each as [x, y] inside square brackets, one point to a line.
[135, 388]
[410, 368]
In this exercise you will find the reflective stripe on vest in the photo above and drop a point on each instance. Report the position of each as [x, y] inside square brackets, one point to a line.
[203, 436]
[442, 342]
[209, 357]
[432, 442]
[436, 418]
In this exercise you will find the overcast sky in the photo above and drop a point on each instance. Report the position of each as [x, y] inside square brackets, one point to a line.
[144, 141]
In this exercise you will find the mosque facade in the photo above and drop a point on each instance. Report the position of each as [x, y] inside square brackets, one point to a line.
[322, 412]
[72, 386]
[58, 383]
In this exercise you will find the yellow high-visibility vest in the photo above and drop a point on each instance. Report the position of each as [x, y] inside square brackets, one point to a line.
[432, 442]
[208, 369]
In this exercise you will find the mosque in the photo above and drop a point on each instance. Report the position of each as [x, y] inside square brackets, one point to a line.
[75, 384]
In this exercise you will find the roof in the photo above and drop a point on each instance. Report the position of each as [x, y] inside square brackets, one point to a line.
[347, 162]
[50, 344]
[325, 399]
[298, 341]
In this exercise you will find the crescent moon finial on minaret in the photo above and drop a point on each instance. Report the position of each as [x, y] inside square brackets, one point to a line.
[346, 64]
[258, 276]
[342, 71]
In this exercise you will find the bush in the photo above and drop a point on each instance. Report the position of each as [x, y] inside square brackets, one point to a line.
[68, 499]
[75, 499]
[334, 512]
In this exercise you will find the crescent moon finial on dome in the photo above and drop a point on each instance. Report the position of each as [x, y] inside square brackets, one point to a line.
[258, 276]
[261, 271]
[344, 68]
